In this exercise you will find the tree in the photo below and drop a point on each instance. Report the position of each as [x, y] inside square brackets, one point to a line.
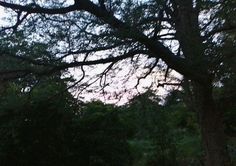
[43, 124]
[152, 142]
[187, 35]
[101, 138]
[40, 127]
[35, 125]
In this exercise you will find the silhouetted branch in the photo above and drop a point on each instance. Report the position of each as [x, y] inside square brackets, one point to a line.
[147, 73]
[37, 9]
[156, 47]
[221, 29]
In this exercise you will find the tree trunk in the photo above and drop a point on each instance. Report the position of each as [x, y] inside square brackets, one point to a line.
[210, 117]
[212, 128]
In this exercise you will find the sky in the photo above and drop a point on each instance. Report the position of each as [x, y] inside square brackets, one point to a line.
[1, 15]
[118, 86]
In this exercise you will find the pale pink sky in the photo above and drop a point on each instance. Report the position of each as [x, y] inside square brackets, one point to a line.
[116, 87]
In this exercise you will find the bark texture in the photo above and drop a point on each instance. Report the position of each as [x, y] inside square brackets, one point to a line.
[212, 128]
[210, 117]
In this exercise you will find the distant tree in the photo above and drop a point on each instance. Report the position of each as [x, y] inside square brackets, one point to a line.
[167, 135]
[101, 138]
[44, 128]
[152, 142]
[187, 35]
[35, 126]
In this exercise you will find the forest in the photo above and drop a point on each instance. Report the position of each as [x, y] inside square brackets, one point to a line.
[43, 128]
[117, 83]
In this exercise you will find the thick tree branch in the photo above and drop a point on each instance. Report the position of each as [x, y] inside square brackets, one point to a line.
[86, 51]
[99, 61]
[49, 69]
[154, 46]
[37, 9]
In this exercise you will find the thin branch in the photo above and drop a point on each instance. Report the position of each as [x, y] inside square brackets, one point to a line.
[152, 19]
[49, 69]
[156, 47]
[168, 84]
[90, 50]
[99, 61]
[18, 22]
[221, 29]
[146, 74]
[166, 73]
[71, 86]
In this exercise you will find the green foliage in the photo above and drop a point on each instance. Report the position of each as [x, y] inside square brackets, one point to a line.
[163, 135]
[40, 127]
[33, 126]
[101, 137]
[45, 127]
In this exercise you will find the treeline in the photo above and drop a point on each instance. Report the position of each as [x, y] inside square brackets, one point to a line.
[45, 126]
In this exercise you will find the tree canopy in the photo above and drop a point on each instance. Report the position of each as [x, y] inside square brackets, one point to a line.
[196, 38]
